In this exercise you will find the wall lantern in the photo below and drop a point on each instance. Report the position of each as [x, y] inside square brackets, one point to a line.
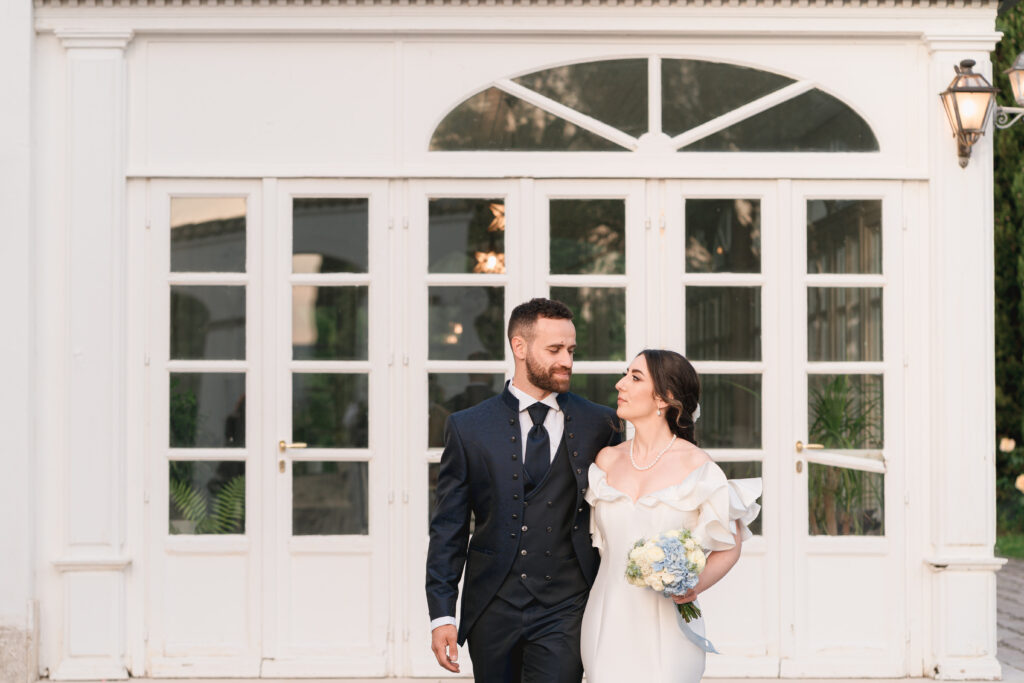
[969, 99]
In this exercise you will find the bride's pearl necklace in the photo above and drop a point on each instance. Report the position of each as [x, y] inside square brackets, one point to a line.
[656, 459]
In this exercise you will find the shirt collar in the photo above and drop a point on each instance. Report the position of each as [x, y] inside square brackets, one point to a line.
[525, 400]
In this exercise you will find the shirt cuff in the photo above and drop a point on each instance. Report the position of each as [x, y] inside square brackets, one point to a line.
[442, 621]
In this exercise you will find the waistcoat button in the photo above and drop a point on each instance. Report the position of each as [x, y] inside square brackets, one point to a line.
[516, 476]
[575, 527]
[549, 530]
[515, 496]
[515, 516]
[523, 576]
[578, 471]
[547, 578]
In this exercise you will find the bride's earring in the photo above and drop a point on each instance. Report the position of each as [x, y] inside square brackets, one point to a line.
[659, 412]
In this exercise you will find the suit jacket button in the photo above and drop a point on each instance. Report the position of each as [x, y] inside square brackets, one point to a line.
[571, 435]
[511, 420]
[514, 456]
[575, 527]
[549, 530]
[547, 553]
[516, 476]
[511, 438]
[523, 576]
[575, 454]
[522, 552]
[578, 471]
[568, 418]
[515, 496]
[579, 509]
[550, 503]
[547, 578]
[525, 528]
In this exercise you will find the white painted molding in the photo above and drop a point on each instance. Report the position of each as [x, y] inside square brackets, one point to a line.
[965, 564]
[955, 4]
[91, 564]
[86, 39]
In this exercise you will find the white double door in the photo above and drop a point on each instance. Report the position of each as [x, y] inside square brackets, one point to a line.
[307, 339]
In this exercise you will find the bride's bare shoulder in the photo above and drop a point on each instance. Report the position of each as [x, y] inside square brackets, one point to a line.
[609, 455]
[691, 456]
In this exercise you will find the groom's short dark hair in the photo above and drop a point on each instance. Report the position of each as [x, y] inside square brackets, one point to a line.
[525, 315]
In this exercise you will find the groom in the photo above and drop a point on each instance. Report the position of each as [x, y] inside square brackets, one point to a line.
[518, 462]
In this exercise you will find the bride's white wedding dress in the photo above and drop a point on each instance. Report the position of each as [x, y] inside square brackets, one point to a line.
[631, 632]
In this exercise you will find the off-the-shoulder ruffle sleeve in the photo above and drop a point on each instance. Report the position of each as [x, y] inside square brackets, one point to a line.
[743, 506]
[719, 503]
[598, 489]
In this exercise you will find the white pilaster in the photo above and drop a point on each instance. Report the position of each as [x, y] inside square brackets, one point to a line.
[94, 560]
[17, 590]
[962, 491]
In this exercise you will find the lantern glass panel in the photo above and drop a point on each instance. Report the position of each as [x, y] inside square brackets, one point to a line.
[973, 108]
[1017, 84]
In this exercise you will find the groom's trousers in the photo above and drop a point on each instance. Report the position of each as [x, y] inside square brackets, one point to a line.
[531, 644]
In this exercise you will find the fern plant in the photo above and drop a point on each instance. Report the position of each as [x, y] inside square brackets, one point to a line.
[220, 512]
[846, 415]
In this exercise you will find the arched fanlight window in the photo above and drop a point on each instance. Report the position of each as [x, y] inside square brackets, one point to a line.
[608, 106]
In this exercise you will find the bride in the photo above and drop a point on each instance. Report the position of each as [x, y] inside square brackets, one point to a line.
[660, 480]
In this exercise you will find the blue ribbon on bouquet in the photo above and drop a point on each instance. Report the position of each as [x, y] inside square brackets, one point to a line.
[694, 637]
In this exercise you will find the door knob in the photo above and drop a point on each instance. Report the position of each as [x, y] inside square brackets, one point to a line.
[282, 446]
[800, 446]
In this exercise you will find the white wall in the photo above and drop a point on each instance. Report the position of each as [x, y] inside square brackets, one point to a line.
[17, 641]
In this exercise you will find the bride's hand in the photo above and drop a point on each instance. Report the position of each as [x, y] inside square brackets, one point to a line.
[688, 596]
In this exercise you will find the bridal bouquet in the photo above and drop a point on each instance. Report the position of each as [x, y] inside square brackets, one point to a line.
[670, 563]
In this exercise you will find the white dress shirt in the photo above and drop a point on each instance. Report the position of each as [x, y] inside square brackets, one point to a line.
[554, 422]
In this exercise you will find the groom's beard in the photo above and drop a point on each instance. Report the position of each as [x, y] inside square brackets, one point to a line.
[543, 378]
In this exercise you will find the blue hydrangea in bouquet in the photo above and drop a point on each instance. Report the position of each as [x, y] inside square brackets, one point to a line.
[671, 564]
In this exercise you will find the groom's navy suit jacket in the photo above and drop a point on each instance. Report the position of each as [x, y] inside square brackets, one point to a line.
[482, 472]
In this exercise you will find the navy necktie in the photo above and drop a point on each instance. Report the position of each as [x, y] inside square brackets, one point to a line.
[538, 445]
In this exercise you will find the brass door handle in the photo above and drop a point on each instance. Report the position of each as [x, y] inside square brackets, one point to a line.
[800, 446]
[282, 446]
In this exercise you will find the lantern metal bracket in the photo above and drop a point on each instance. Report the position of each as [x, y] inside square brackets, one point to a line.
[1007, 116]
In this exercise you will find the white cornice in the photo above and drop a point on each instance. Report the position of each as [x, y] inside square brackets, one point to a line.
[902, 4]
[88, 39]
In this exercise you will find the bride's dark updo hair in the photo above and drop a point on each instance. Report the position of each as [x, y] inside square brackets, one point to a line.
[676, 383]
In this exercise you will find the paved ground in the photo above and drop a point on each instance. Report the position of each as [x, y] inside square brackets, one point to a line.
[1010, 619]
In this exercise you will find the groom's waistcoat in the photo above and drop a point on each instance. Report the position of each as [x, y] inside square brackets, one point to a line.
[482, 475]
[546, 567]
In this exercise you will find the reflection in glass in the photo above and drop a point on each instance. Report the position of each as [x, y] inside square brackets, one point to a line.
[207, 409]
[597, 388]
[844, 502]
[845, 411]
[723, 323]
[208, 234]
[599, 314]
[433, 469]
[466, 323]
[467, 236]
[495, 120]
[330, 235]
[206, 497]
[207, 323]
[812, 122]
[694, 92]
[612, 91]
[330, 498]
[844, 236]
[329, 323]
[450, 392]
[745, 470]
[330, 410]
[844, 323]
[588, 236]
[723, 235]
[730, 411]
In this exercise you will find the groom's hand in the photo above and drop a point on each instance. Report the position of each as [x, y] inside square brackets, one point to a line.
[445, 646]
